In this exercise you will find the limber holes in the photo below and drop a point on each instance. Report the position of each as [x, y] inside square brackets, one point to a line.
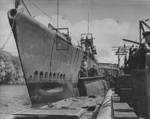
[47, 76]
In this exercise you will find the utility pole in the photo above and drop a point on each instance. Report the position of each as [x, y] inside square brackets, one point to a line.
[120, 50]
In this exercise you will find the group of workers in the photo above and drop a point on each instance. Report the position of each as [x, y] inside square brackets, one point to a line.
[88, 72]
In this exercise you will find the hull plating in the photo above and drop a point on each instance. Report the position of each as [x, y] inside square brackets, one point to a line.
[47, 59]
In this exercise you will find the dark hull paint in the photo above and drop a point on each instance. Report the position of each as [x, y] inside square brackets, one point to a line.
[134, 88]
[44, 62]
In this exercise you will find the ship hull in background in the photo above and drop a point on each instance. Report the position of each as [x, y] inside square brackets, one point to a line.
[50, 63]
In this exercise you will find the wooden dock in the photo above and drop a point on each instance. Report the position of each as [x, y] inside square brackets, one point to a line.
[70, 108]
[110, 108]
[121, 109]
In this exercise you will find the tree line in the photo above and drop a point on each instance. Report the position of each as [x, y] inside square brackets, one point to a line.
[10, 69]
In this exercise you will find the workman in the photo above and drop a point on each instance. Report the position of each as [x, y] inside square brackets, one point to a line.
[93, 71]
[147, 48]
[147, 56]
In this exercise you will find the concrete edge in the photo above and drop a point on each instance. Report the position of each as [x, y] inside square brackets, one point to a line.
[106, 110]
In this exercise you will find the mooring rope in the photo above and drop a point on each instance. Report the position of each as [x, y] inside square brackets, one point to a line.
[8, 36]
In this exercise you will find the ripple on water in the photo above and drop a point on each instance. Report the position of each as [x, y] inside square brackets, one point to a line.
[13, 98]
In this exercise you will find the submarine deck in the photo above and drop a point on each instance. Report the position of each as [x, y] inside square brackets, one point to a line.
[75, 107]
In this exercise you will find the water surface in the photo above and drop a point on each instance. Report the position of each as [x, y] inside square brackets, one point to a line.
[13, 98]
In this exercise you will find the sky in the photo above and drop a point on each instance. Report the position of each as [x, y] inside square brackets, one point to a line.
[109, 21]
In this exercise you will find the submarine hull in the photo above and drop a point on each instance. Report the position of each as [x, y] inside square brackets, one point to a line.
[50, 63]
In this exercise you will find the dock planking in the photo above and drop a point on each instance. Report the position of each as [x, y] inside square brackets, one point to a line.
[122, 110]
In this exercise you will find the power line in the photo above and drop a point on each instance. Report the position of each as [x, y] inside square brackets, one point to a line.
[106, 60]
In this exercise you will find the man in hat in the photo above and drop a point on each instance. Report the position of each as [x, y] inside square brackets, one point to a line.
[147, 48]
[93, 71]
